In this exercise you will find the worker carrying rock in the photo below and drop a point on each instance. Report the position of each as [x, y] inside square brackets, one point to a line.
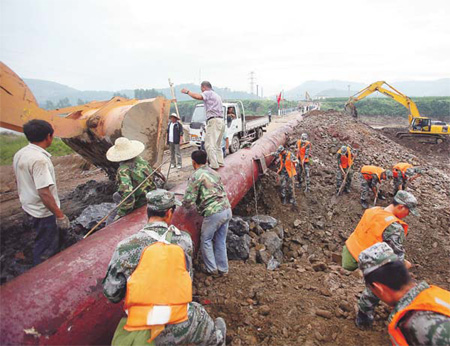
[404, 172]
[345, 158]
[287, 173]
[132, 171]
[152, 270]
[378, 225]
[371, 177]
[303, 152]
[421, 313]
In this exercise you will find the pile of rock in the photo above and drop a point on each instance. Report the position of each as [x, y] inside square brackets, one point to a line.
[258, 239]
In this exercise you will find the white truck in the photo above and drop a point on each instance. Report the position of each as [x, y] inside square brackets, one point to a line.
[241, 128]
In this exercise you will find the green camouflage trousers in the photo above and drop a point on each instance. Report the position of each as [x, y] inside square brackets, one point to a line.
[368, 302]
[199, 329]
[303, 176]
[366, 187]
[399, 181]
[287, 188]
[340, 179]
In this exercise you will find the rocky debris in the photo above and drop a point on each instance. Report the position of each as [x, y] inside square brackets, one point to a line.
[238, 226]
[265, 221]
[90, 216]
[238, 247]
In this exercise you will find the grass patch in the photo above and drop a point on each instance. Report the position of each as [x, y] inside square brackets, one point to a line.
[11, 143]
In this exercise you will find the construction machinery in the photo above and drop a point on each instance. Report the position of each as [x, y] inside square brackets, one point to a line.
[90, 129]
[422, 128]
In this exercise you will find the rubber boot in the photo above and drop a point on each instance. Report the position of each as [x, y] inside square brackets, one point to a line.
[364, 204]
[222, 326]
[284, 200]
[363, 321]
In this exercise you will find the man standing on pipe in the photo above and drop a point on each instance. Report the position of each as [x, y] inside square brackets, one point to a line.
[152, 269]
[206, 191]
[215, 125]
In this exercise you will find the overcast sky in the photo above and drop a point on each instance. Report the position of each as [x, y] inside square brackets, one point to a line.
[118, 44]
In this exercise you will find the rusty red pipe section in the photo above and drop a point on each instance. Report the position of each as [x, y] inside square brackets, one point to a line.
[60, 302]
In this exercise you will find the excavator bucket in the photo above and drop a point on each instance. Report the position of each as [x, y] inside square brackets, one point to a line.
[90, 129]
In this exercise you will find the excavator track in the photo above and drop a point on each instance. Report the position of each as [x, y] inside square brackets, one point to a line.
[422, 138]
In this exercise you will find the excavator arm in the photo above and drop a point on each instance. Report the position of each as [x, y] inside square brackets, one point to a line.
[394, 94]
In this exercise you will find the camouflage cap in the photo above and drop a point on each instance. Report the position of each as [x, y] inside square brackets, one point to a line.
[389, 174]
[344, 149]
[407, 199]
[280, 149]
[410, 172]
[304, 136]
[375, 257]
[161, 200]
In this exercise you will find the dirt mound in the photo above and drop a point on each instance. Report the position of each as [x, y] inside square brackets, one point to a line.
[310, 299]
[433, 152]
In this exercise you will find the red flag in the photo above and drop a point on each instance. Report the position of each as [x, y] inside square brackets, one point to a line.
[279, 99]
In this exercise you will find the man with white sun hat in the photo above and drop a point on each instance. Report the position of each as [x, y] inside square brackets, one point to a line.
[132, 171]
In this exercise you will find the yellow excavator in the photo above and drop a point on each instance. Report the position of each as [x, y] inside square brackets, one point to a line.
[90, 129]
[423, 128]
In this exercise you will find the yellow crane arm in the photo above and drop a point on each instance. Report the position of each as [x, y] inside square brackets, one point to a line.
[18, 105]
[394, 93]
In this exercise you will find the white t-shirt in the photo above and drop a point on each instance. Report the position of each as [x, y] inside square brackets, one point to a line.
[34, 170]
[171, 132]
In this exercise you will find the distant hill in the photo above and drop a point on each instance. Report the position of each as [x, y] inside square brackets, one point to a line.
[51, 91]
[336, 88]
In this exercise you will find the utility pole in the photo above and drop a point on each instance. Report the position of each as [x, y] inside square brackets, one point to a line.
[257, 89]
[348, 90]
[252, 81]
[262, 94]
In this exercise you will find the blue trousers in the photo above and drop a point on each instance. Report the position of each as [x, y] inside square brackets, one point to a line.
[46, 243]
[213, 241]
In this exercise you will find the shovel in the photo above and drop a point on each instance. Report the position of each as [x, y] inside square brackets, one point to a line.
[334, 198]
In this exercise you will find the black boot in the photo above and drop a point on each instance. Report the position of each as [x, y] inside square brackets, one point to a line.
[363, 321]
[364, 204]
[284, 200]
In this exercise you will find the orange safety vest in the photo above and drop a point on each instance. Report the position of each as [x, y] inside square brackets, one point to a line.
[290, 166]
[301, 150]
[159, 290]
[370, 230]
[367, 172]
[401, 167]
[346, 160]
[433, 299]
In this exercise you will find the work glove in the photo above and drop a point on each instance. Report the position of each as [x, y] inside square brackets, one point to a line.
[63, 223]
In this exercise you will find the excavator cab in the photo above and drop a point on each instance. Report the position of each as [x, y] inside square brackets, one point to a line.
[421, 124]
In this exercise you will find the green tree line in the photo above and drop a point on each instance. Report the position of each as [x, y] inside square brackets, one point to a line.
[433, 107]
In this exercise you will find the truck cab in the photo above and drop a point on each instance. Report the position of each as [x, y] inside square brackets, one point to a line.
[234, 125]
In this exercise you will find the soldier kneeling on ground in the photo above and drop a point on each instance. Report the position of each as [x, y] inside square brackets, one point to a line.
[152, 270]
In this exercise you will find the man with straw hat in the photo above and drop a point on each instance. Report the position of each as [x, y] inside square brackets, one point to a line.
[132, 171]
[174, 139]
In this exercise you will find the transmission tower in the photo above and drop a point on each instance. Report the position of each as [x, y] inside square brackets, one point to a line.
[252, 81]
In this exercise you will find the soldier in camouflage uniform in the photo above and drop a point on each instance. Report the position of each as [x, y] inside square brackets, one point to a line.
[303, 152]
[345, 158]
[372, 182]
[287, 173]
[387, 276]
[199, 329]
[401, 178]
[206, 191]
[132, 171]
[394, 235]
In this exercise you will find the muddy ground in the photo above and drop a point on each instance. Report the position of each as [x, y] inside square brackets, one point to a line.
[79, 185]
[296, 304]
[310, 299]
